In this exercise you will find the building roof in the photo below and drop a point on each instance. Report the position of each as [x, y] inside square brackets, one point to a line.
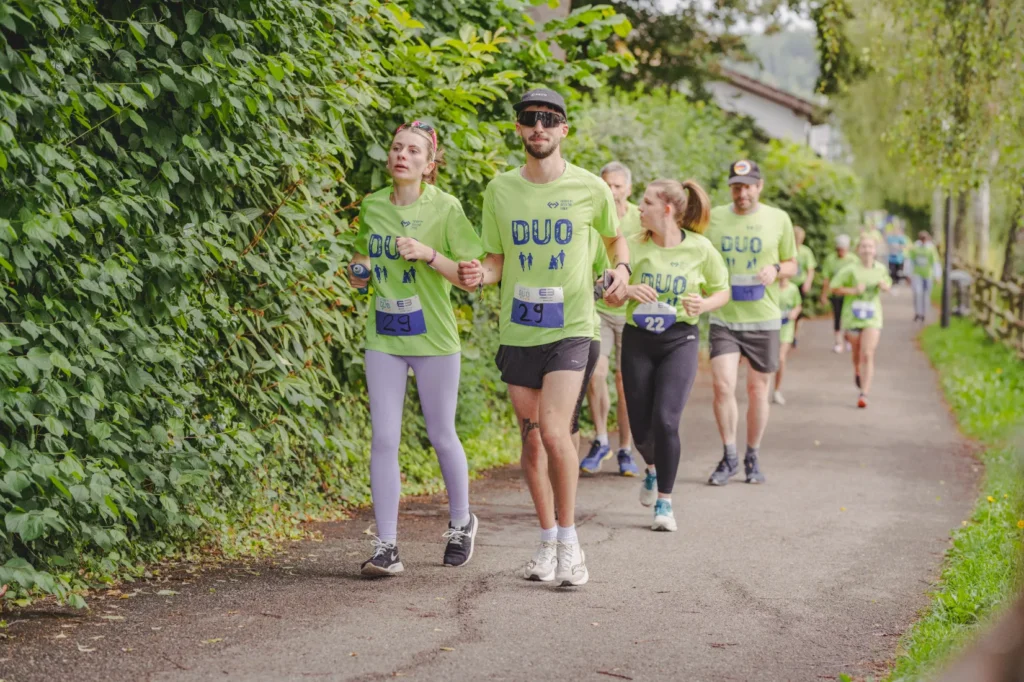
[798, 105]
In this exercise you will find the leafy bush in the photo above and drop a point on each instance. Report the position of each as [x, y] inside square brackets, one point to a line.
[179, 360]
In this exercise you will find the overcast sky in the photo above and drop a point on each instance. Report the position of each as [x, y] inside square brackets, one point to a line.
[795, 20]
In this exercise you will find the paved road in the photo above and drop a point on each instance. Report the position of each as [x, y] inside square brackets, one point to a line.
[816, 573]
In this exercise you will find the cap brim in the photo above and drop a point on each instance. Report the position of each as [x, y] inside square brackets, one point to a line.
[519, 106]
[743, 180]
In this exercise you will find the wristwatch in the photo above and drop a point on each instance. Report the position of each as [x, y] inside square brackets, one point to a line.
[628, 269]
[778, 268]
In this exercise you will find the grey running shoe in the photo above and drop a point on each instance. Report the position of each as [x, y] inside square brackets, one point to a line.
[727, 468]
[750, 465]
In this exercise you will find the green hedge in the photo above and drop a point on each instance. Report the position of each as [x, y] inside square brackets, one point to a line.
[179, 361]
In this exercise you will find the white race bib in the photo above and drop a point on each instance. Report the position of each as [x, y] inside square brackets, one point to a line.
[654, 317]
[400, 317]
[538, 307]
[746, 288]
[863, 310]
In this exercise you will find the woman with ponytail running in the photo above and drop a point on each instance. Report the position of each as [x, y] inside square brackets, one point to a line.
[411, 236]
[677, 275]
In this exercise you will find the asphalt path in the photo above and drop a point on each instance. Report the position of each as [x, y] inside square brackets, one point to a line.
[816, 573]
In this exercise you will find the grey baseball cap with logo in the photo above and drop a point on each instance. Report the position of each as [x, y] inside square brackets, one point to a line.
[544, 96]
[744, 172]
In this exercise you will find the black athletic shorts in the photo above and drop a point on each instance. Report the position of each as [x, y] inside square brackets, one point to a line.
[526, 365]
[595, 354]
[760, 348]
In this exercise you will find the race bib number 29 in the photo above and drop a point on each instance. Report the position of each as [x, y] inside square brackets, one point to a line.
[401, 317]
[538, 307]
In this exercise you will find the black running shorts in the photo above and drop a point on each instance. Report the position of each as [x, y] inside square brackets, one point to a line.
[526, 365]
[760, 348]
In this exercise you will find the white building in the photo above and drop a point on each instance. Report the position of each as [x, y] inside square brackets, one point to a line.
[780, 114]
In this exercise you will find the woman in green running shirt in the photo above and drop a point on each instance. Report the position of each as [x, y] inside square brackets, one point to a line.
[411, 236]
[860, 284]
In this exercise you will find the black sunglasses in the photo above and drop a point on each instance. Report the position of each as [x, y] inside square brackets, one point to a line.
[548, 119]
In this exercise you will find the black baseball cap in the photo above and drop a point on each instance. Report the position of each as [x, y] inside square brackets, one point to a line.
[744, 172]
[541, 96]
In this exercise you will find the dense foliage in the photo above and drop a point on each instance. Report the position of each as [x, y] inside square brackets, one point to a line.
[178, 359]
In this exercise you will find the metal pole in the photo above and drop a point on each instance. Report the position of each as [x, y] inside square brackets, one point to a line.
[948, 239]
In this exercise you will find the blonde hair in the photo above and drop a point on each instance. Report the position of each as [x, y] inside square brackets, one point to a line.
[690, 201]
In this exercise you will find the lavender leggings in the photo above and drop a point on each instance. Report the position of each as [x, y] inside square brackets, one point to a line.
[437, 378]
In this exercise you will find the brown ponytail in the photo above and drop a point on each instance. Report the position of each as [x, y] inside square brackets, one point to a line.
[691, 203]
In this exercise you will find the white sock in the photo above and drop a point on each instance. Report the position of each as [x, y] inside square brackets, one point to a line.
[628, 449]
[548, 534]
[567, 534]
[602, 438]
[461, 522]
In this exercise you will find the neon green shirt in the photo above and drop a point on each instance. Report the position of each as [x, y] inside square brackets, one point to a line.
[601, 263]
[833, 264]
[693, 266]
[544, 233]
[789, 299]
[748, 243]
[629, 225]
[924, 257]
[411, 310]
[805, 260]
[862, 311]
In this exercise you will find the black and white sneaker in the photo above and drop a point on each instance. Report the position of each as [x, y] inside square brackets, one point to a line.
[384, 561]
[461, 541]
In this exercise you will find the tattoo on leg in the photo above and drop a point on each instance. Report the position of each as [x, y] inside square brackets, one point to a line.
[528, 425]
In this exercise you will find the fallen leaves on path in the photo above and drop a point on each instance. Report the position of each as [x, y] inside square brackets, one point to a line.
[611, 674]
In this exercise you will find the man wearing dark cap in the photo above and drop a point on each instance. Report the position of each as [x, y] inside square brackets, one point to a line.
[758, 246]
[539, 221]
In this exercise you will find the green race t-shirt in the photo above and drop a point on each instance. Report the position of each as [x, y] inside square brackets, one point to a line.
[863, 311]
[923, 257]
[805, 260]
[693, 266]
[544, 233]
[789, 299]
[748, 243]
[834, 263]
[411, 310]
[629, 225]
[601, 263]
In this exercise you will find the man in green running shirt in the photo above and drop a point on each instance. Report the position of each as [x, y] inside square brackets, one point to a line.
[538, 221]
[758, 246]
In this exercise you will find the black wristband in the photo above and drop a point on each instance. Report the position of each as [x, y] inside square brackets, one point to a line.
[778, 268]
[628, 269]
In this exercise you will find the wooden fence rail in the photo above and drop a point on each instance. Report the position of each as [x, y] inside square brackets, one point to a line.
[998, 307]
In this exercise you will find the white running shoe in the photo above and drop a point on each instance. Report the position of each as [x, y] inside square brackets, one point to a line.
[778, 399]
[543, 564]
[838, 348]
[664, 519]
[572, 567]
[649, 489]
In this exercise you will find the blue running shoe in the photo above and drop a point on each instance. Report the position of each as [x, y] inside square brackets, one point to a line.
[649, 490]
[627, 467]
[664, 519]
[591, 464]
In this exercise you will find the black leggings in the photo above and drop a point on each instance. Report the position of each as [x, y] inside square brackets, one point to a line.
[837, 312]
[657, 374]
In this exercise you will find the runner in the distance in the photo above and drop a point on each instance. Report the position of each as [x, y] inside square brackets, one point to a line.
[758, 245]
[924, 258]
[410, 236]
[806, 264]
[834, 262]
[791, 305]
[860, 284]
[677, 276]
[538, 221]
[619, 179]
[897, 243]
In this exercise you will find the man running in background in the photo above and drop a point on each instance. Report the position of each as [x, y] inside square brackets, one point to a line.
[620, 180]
[538, 222]
[806, 264]
[758, 245]
[897, 249]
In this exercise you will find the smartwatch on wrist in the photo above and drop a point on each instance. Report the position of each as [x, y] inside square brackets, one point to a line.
[778, 268]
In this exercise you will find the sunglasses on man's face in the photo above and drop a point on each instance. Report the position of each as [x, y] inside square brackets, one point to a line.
[548, 119]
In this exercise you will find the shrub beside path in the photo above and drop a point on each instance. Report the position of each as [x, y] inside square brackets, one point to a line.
[816, 573]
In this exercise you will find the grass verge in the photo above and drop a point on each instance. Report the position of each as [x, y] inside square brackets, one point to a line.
[984, 384]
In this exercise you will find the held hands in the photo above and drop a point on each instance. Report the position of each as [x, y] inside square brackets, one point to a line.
[471, 273]
[412, 250]
[767, 275]
[693, 304]
[616, 293]
[641, 293]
